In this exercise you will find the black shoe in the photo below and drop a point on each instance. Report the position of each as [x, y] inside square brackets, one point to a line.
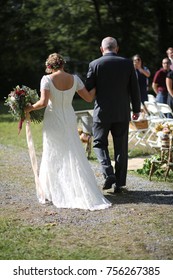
[110, 180]
[117, 189]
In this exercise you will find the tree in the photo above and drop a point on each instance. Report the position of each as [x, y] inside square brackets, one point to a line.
[30, 30]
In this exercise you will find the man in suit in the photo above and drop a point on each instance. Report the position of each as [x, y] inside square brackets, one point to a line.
[116, 88]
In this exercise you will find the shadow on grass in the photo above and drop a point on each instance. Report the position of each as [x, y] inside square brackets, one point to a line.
[149, 197]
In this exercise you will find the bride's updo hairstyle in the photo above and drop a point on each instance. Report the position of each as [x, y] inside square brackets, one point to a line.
[54, 61]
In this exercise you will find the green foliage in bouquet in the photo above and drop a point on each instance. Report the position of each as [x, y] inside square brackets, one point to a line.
[37, 115]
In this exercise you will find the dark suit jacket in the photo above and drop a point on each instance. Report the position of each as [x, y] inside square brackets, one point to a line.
[116, 86]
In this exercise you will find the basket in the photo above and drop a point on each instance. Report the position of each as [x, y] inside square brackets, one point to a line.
[137, 125]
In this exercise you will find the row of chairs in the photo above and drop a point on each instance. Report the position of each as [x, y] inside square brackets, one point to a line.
[158, 113]
[155, 113]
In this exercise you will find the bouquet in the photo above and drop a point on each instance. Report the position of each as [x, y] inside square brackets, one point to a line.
[164, 128]
[18, 99]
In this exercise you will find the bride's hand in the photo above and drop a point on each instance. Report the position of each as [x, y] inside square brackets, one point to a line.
[28, 108]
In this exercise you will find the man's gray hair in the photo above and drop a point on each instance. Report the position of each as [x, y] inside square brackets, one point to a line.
[109, 43]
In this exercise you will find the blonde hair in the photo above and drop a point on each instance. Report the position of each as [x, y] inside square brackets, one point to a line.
[54, 61]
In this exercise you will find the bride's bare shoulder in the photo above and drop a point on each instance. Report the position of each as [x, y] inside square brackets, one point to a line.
[62, 80]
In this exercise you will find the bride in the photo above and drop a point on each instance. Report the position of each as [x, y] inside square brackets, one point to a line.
[65, 178]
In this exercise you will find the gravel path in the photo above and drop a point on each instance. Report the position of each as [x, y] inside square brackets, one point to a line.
[136, 211]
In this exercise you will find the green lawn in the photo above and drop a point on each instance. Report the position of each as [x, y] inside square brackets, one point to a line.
[9, 128]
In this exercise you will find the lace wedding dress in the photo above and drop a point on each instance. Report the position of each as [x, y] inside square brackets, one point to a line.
[66, 177]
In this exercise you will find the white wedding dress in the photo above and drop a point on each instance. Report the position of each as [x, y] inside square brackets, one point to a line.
[66, 177]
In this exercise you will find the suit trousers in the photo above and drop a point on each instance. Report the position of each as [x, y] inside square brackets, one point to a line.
[119, 132]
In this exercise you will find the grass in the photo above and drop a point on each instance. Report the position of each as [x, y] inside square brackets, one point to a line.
[42, 242]
[136, 236]
[9, 131]
[46, 242]
[9, 128]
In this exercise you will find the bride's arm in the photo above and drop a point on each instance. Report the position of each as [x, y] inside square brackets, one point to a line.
[88, 96]
[45, 94]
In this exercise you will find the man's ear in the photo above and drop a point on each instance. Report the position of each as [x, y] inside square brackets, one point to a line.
[117, 49]
[101, 49]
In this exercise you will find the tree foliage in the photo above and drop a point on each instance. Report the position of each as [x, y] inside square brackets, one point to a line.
[30, 30]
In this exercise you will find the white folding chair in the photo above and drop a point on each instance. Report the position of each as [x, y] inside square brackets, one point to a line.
[165, 109]
[155, 116]
[151, 98]
[84, 118]
[137, 133]
[153, 109]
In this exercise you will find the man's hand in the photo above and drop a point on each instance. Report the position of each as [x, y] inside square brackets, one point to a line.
[135, 116]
